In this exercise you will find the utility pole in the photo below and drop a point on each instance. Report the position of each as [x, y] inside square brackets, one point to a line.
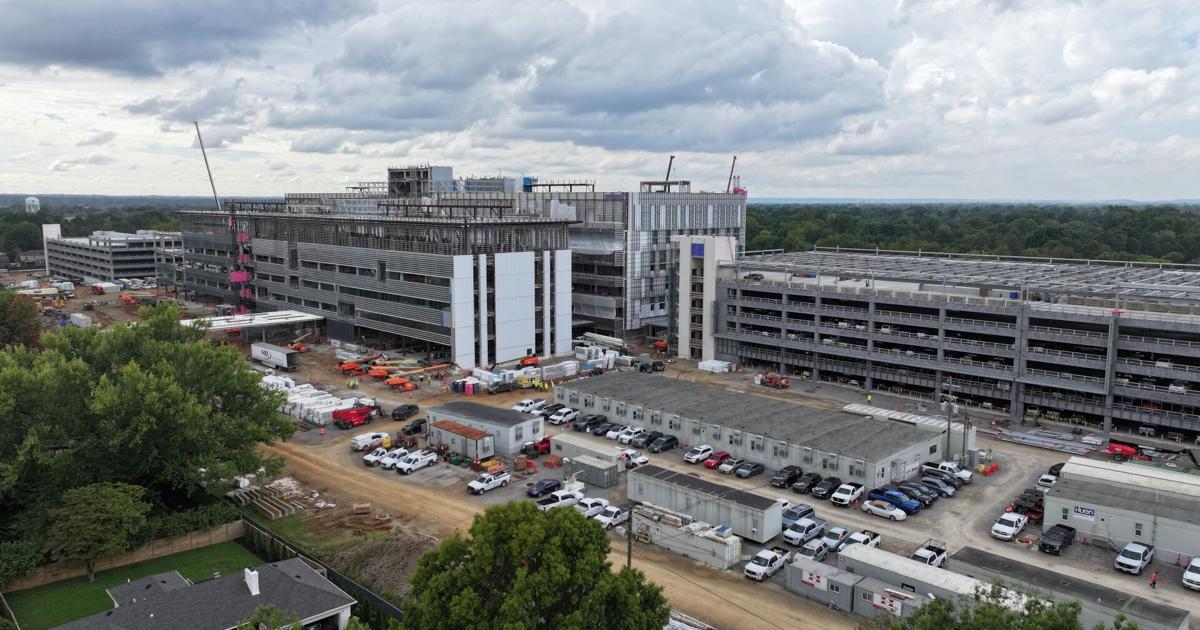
[949, 405]
[629, 540]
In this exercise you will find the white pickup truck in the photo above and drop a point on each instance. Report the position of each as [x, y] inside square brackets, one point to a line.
[415, 461]
[388, 462]
[766, 563]
[557, 499]
[950, 468]
[612, 516]
[932, 553]
[488, 481]
[374, 457]
[1134, 558]
[847, 494]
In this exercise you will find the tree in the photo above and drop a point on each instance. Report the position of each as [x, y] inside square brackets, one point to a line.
[19, 320]
[153, 405]
[524, 569]
[17, 559]
[96, 522]
[23, 236]
[270, 617]
[992, 609]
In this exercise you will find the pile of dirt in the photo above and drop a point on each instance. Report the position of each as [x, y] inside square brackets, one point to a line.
[384, 565]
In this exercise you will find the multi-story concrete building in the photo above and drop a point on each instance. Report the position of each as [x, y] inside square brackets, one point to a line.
[1095, 342]
[105, 255]
[474, 281]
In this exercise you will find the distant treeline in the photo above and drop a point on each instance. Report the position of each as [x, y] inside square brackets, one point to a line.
[1169, 233]
[23, 232]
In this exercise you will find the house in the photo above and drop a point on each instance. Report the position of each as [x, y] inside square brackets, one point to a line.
[167, 601]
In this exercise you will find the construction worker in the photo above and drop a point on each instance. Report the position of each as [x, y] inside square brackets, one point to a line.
[868, 398]
[1154, 580]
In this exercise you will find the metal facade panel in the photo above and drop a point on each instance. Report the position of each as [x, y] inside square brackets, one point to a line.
[514, 315]
[462, 311]
[562, 303]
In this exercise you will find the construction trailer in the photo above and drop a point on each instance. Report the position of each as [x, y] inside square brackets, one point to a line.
[774, 432]
[572, 446]
[1100, 604]
[821, 582]
[509, 429]
[593, 470]
[459, 438]
[751, 516]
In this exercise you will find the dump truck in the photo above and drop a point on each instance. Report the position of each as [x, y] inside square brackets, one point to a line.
[274, 356]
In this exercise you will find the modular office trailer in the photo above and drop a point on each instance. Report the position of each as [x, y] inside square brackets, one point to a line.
[511, 429]
[767, 430]
[751, 516]
[1100, 341]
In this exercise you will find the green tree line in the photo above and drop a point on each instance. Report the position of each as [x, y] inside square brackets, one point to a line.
[1169, 233]
[23, 232]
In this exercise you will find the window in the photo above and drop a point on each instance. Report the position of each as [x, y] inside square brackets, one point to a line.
[573, 398]
[908, 587]
[347, 269]
[933, 449]
[808, 456]
[328, 267]
[294, 281]
[1137, 529]
[866, 596]
[636, 414]
[834, 588]
[308, 264]
[1065, 514]
[519, 432]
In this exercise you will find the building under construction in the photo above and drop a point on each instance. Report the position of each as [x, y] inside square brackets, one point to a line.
[623, 258]
[1107, 343]
[478, 281]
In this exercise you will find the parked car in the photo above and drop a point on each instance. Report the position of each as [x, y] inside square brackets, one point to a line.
[835, 538]
[548, 410]
[766, 563]
[937, 485]
[614, 432]
[557, 499]
[388, 462]
[543, 487]
[644, 440]
[919, 492]
[589, 422]
[943, 475]
[846, 494]
[529, 405]
[416, 427]
[950, 467]
[1045, 482]
[1009, 525]
[865, 537]
[716, 459]
[728, 466]
[897, 499]
[1056, 469]
[633, 458]
[404, 412]
[1134, 558]
[826, 487]
[590, 506]
[698, 454]
[920, 497]
[1053, 540]
[603, 428]
[628, 433]
[786, 476]
[805, 483]
[932, 553]
[795, 513]
[562, 416]
[415, 461]
[884, 509]
[488, 481]
[1191, 575]
[804, 530]
[499, 387]
[664, 444]
[612, 516]
[372, 458]
[368, 441]
[814, 549]
[750, 469]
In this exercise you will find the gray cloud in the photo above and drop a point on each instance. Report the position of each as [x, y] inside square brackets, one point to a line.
[138, 38]
[78, 162]
[104, 137]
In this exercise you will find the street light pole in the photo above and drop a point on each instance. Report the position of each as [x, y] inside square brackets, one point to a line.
[948, 408]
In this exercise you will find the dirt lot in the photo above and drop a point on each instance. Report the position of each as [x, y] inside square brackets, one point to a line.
[434, 501]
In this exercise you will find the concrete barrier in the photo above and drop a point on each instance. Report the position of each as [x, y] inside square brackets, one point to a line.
[58, 571]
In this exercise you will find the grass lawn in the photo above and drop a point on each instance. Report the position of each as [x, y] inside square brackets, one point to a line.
[58, 603]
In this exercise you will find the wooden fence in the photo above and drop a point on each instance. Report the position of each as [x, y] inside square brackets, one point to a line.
[57, 571]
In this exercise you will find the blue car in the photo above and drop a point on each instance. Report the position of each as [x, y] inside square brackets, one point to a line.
[897, 499]
[543, 487]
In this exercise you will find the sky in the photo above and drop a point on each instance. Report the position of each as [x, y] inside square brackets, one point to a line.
[986, 99]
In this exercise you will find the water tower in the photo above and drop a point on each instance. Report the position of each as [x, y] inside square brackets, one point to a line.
[32, 205]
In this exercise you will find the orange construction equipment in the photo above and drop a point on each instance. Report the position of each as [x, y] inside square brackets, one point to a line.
[530, 361]
[350, 367]
[297, 344]
[775, 380]
[379, 373]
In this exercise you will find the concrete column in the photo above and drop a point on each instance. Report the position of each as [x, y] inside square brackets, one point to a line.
[1016, 395]
[547, 289]
[1110, 373]
[816, 354]
[482, 328]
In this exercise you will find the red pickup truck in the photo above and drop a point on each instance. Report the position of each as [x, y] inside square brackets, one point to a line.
[354, 416]
[533, 449]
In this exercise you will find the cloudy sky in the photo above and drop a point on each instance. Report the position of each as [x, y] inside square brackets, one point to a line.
[1018, 99]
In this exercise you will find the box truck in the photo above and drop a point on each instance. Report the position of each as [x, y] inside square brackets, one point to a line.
[274, 356]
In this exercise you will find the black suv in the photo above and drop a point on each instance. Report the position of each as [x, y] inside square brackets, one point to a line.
[645, 439]
[805, 483]
[826, 487]
[416, 427]
[786, 476]
[1054, 539]
[404, 412]
[587, 423]
[664, 444]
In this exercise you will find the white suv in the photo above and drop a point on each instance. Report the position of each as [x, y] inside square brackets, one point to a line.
[563, 416]
[628, 433]
[698, 454]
